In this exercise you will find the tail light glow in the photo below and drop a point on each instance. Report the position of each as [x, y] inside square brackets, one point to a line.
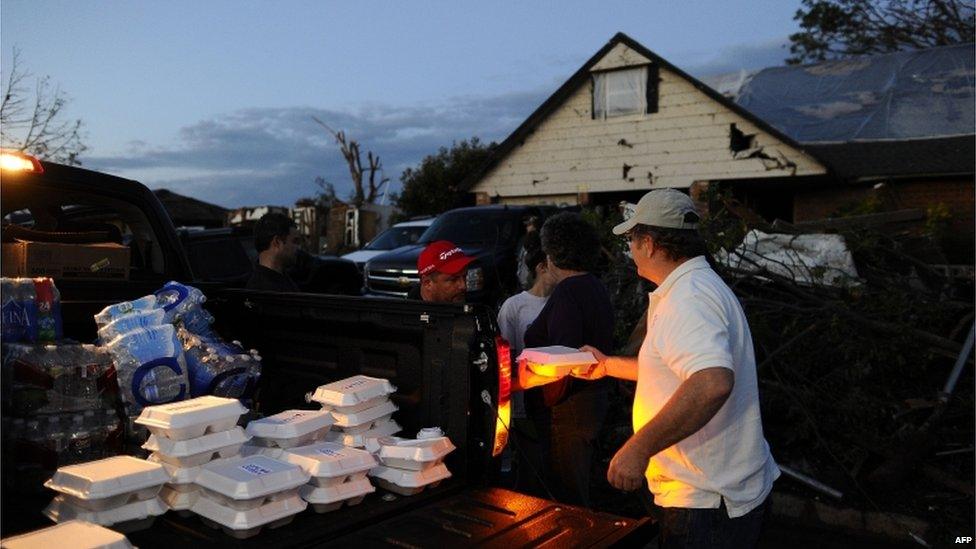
[504, 412]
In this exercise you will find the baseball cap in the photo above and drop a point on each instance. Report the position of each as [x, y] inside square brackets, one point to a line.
[444, 257]
[662, 208]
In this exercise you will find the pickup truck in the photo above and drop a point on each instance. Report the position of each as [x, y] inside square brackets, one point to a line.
[490, 234]
[450, 368]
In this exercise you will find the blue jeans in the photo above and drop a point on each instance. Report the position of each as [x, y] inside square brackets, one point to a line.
[682, 528]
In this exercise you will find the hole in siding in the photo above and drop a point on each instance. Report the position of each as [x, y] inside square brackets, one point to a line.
[739, 141]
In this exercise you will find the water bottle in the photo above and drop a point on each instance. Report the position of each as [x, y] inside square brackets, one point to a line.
[48, 305]
[216, 367]
[79, 440]
[177, 299]
[118, 310]
[54, 440]
[197, 321]
[129, 322]
[150, 366]
[18, 309]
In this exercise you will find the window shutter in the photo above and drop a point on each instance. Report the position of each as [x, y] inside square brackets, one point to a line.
[653, 83]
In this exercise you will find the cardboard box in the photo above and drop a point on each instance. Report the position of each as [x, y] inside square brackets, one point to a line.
[107, 261]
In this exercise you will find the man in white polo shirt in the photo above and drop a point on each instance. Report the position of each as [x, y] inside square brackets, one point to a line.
[698, 437]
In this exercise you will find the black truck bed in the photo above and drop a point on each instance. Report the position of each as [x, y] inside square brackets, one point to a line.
[444, 517]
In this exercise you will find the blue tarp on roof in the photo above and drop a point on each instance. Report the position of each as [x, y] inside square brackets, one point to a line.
[905, 95]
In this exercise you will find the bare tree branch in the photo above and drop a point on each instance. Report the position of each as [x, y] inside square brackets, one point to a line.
[351, 153]
[33, 122]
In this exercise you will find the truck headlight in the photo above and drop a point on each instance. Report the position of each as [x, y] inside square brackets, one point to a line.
[475, 279]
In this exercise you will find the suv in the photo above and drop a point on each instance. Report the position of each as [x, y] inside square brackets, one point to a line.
[491, 234]
[401, 234]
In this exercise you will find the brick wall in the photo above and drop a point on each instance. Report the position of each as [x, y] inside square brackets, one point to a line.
[957, 195]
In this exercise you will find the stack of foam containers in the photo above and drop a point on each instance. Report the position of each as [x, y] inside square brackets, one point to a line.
[338, 474]
[77, 534]
[246, 494]
[120, 491]
[408, 466]
[361, 409]
[187, 435]
[271, 435]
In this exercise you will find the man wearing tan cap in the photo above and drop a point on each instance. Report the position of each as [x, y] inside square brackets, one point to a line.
[443, 269]
[698, 437]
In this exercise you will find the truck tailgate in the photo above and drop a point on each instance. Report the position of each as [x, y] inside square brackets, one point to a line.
[495, 517]
[441, 518]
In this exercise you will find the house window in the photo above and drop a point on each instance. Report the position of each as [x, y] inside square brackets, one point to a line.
[624, 92]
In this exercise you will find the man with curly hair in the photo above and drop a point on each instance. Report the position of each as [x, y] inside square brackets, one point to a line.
[569, 414]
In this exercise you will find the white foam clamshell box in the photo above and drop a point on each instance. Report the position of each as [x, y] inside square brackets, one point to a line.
[249, 482]
[330, 463]
[77, 534]
[380, 428]
[290, 428]
[556, 360]
[330, 498]
[181, 476]
[197, 451]
[415, 455]
[352, 392]
[243, 524]
[360, 421]
[60, 510]
[408, 483]
[194, 418]
[107, 483]
[179, 500]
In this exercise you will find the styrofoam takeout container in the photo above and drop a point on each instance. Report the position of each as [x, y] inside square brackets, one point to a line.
[179, 500]
[245, 483]
[408, 483]
[194, 418]
[415, 455]
[380, 428]
[290, 428]
[352, 391]
[330, 498]
[376, 401]
[197, 451]
[556, 360]
[77, 534]
[107, 483]
[180, 476]
[243, 524]
[136, 515]
[330, 463]
[362, 418]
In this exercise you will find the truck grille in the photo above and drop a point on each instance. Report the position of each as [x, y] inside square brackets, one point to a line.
[392, 282]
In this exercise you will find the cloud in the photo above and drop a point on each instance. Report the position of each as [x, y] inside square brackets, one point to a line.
[737, 57]
[272, 155]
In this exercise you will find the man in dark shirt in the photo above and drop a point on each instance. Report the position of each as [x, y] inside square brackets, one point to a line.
[567, 414]
[277, 241]
[443, 269]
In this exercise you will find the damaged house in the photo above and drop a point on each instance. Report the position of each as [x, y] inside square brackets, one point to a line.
[891, 133]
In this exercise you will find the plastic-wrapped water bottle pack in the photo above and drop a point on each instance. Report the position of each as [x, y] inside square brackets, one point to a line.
[165, 350]
[31, 310]
[219, 368]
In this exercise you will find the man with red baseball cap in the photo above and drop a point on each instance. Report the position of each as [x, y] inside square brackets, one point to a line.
[442, 267]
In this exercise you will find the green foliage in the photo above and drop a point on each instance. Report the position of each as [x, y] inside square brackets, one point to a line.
[721, 229]
[833, 29]
[432, 187]
[937, 220]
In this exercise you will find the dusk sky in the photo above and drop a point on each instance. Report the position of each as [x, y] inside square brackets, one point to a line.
[214, 99]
